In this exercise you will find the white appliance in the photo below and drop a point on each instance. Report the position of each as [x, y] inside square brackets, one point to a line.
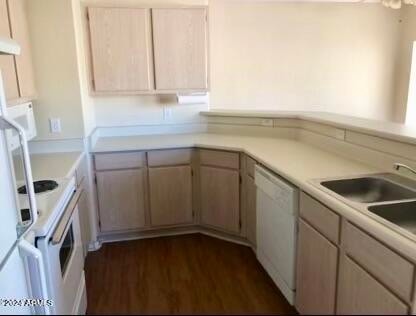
[277, 209]
[59, 240]
[23, 287]
[23, 115]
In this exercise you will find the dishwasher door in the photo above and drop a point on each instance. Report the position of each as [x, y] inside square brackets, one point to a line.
[276, 209]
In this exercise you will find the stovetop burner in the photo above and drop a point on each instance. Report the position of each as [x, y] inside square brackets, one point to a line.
[40, 186]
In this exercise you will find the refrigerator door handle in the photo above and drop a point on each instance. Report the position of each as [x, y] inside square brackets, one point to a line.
[7, 123]
[28, 250]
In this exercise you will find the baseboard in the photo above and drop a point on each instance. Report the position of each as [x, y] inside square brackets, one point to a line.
[194, 229]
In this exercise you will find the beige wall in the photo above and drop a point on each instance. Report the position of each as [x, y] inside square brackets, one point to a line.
[141, 110]
[407, 37]
[329, 57]
[56, 73]
[337, 57]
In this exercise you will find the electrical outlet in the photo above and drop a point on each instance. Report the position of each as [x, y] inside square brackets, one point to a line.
[55, 125]
[267, 122]
[167, 113]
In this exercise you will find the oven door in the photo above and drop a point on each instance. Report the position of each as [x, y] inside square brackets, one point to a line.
[66, 259]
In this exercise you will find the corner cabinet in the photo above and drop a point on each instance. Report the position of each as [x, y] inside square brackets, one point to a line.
[170, 187]
[220, 190]
[148, 51]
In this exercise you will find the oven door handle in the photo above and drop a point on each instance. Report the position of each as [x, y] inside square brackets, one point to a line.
[58, 235]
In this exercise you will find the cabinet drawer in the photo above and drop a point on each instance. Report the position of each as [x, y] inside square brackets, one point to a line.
[217, 158]
[320, 217]
[250, 166]
[384, 264]
[170, 157]
[119, 161]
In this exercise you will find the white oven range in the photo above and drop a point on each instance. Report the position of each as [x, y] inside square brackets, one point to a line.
[58, 237]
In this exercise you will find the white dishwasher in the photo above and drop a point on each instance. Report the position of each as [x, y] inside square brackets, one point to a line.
[276, 209]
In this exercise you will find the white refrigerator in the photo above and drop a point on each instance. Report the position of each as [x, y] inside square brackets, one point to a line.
[22, 277]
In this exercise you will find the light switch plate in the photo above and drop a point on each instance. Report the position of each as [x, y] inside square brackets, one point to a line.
[55, 125]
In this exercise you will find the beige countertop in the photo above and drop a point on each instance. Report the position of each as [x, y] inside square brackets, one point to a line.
[296, 161]
[389, 130]
[51, 165]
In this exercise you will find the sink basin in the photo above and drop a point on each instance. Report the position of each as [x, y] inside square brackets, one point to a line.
[369, 190]
[402, 214]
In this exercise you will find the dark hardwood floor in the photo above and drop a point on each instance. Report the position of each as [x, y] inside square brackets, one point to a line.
[189, 274]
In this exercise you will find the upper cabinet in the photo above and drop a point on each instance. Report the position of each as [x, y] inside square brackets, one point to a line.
[180, 49]
[120, 49]
[7, 66]
[20, 33]
[148, 51]
[17, 70]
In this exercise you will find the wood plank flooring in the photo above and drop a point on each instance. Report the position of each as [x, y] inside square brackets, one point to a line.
[188, 274]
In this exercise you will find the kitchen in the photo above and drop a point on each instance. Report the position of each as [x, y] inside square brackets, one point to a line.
[208, 157]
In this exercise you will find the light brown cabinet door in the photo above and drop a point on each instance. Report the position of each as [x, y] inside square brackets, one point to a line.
[84, 219]
[316, 272]
[250, 205]
[121, 197]
[20, 33]
[120, 49]
[220, 198]
[170, 195]
[180, 48]
[7, 65]
[359, 293]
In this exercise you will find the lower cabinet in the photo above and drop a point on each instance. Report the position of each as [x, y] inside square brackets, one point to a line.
[317, 260]
[170, 190]
[360, 293]
[81, 175]
[220, 198]
[121, 198]
[250, 209]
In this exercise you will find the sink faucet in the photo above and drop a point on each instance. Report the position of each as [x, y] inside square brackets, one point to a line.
[398, 165]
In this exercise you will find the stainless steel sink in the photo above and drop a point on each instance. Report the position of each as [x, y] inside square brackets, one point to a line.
[402, 214]
[369, 190]
[386, 196]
